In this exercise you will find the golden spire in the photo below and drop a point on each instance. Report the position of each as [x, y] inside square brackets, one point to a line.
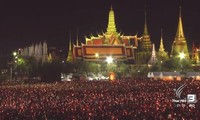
[70, 42]
[70, 45]
[146, 42]
[111, 22]
[77, 38]
[145, 23]
[70, 55]
[161, 49]
[179, 32]
[180, 43]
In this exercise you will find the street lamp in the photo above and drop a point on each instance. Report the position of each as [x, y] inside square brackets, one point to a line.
[12, 63]
[109, 60]
[97, 55]
[97, 60]
[181, 56]
[14, 54]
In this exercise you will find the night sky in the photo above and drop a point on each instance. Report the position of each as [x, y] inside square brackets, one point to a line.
[23, 23]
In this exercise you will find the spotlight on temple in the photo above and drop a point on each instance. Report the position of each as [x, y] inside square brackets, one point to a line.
[109, 60]
[182, 55]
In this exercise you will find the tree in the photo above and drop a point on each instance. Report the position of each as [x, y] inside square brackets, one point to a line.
[139, 70]
[86, 68]
[51, 72]
[122, 70]
[156, 67]
[177, 64]
[27, 67]
[67, 67]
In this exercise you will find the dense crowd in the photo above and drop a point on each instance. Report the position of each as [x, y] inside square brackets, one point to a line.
[134, 99]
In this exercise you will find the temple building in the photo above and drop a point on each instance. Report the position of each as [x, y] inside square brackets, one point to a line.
[180, 43]
[144, 51]
[109, 44]
[132, 49]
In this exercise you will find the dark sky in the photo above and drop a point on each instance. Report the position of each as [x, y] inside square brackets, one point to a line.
[25, 22]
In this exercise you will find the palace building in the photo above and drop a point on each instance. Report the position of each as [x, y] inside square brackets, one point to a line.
[109, 44]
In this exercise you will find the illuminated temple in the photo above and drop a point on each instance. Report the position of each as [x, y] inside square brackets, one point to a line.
[131, 49]
[180, 43]
[109, 44]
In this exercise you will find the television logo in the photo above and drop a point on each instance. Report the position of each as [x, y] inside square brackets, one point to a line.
[179, 91]
[191, 98]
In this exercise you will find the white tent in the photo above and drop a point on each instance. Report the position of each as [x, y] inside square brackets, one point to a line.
[161, 75]
[152, 75]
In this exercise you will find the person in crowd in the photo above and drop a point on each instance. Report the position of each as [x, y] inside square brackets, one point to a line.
[130, 99]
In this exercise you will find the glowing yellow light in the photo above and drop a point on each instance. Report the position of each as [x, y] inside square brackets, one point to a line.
[20, 60]
[109, 60]
[96, 55]
[14, 53]
[112, 76]
[182, 55]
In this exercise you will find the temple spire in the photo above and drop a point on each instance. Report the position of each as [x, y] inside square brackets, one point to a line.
[77, 38]
[111, 22]
[146, 42]
[179, 32]
[180, 43]
[153, 58]
[70, 42]
[145, 22]
[161, 49]
[70, 54]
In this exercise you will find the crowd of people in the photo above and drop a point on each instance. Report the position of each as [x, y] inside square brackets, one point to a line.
[130, 99]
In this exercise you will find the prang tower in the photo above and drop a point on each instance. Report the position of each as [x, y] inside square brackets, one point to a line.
[180, 43]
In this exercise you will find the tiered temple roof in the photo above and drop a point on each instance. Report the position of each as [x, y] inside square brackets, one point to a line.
[180, 43]
[110, 43]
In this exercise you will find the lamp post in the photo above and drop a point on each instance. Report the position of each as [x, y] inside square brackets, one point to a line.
[97, 55]
[161, 63]
[109, 61]
[97, 63]
[12, 63]
[181, 56]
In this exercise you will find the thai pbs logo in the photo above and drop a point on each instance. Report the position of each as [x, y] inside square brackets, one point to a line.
[191, 99]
